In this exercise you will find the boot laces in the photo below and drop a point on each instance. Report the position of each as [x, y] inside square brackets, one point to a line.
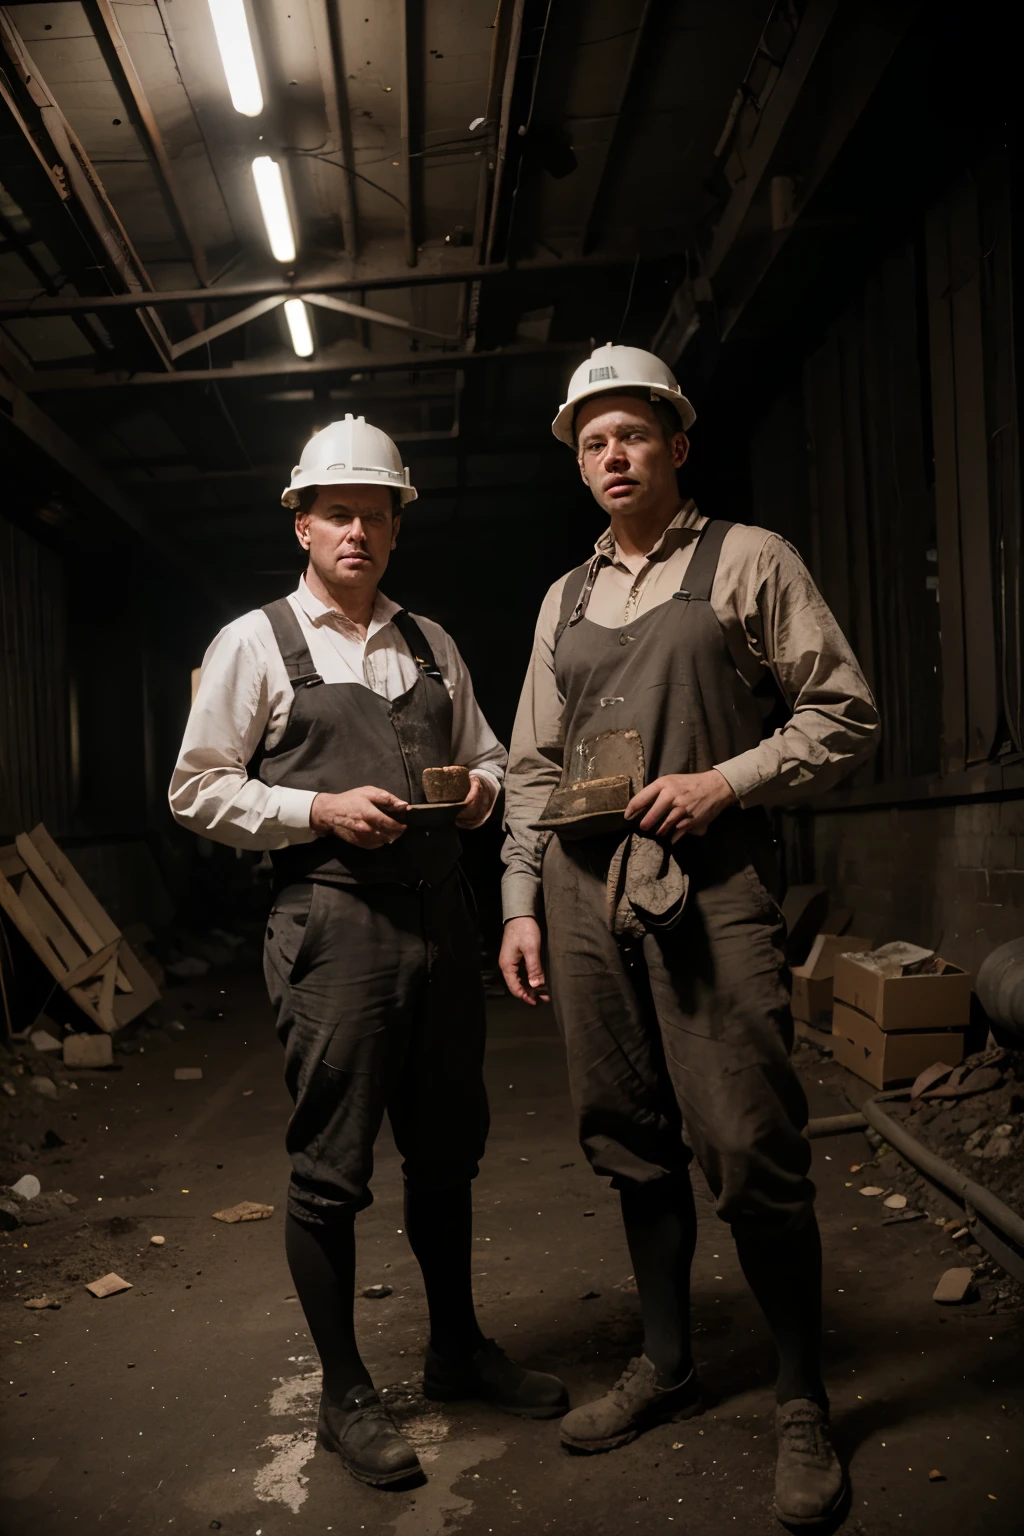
[627, 1376]
[806, 1434]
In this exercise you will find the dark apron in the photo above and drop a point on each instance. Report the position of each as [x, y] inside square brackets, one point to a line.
[340, 736]
[667, 675]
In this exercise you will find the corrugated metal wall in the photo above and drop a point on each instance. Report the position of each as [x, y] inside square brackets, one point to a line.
[36, 772]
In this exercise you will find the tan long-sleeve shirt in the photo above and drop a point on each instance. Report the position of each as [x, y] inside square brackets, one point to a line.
[773, 617]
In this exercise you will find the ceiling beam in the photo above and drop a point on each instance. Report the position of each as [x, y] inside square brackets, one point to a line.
[59, 380]
[322, 301]
[632, 95]
[515, 39]
[85, 200]
[325, 17]
[20, 309]
[811, 33]
[860, 44]
[129, 87]
[409, 26]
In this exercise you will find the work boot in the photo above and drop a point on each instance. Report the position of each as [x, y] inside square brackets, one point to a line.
[359, 1431]
[810, 1483]
[634, 1404]
[490, 1376]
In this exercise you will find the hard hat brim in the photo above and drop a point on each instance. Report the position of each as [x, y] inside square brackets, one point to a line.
[563, 423]
[289, 496]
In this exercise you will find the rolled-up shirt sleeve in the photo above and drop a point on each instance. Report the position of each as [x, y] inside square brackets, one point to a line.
[211, 792]
[834, 723]
[534, 768]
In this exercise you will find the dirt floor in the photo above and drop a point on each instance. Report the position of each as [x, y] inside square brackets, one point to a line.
[188, 1402]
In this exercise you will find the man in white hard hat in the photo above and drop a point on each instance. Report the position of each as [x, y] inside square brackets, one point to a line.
[696, 659]
[314, 719]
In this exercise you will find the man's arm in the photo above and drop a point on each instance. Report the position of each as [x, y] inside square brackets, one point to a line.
[211, 792]
[535, 767]
[834, 723]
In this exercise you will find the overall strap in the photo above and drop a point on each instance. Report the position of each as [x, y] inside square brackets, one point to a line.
[418, 644]
[291, 643]
[576, 594]
[700, 573]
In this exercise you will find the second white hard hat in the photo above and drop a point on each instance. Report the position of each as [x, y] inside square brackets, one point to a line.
[349, 452]
[611, 369]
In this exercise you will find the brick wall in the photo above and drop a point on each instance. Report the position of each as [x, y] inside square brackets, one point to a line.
[949, 876]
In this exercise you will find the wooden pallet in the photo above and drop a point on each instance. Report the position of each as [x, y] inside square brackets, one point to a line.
[78, 942]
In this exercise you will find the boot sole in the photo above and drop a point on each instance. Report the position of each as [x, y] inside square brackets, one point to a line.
[453, 1395]
[613, 1442]
[383, 1480]
[813, 1522]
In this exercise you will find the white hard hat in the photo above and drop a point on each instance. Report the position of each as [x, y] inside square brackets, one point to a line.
[611, 369]
[349, 452]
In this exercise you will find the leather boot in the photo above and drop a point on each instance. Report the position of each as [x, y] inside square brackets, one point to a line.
[359, 1431]
[491, 1377]
[634, 1404]
[810, 1483]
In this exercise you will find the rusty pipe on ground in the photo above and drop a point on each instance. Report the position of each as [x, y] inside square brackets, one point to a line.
[995, 1211]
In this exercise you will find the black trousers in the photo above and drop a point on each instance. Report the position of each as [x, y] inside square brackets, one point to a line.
[380, 1008]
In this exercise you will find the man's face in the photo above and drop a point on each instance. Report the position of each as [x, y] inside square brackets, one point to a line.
[349, 531]
[624, 457]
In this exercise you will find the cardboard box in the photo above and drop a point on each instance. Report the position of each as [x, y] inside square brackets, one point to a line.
[886, 1057]
[812, 981]
[905, 1002]
[812, 996]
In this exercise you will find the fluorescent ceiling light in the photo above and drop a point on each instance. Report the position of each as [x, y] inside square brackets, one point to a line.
[235, 44]
[274, 207]
[297, 315]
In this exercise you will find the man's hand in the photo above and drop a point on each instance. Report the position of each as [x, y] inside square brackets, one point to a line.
[478, 803]
[359, 816]
[681, 803]
[520, 957]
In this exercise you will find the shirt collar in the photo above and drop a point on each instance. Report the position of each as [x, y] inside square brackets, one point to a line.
[319, 613]
[686, 518]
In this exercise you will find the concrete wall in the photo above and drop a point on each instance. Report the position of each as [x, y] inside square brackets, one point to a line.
[949, 876]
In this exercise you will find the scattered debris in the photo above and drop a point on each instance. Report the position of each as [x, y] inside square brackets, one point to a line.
[44, 1041]
[45, 1087]
[956, 1285]
[935, 1476]
[88, 1051]
[108, 1285]
[246, 1093]
[157, 1242]
[590, 1296]
[10, 1214]
[894, 1202]
[42, 1304]
[895, 1217]
[377, 1292]
[245, 1210]
[187, 1074]
[872, 1190]
[28, 1186]
[588, 1213]
[46, 1207]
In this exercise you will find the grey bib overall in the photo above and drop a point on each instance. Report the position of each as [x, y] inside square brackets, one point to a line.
[371, 955]
[678, 1042]
[340, 736]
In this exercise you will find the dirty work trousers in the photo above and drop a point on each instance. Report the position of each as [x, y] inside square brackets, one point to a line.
[380, 1009]
[678, 1043]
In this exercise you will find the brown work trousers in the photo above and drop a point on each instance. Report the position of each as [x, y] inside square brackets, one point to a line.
[678, 1043]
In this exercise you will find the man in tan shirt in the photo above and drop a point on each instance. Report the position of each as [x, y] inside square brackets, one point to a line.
[702, 654]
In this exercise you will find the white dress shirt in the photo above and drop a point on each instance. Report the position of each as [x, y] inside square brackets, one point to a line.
[244, 696]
